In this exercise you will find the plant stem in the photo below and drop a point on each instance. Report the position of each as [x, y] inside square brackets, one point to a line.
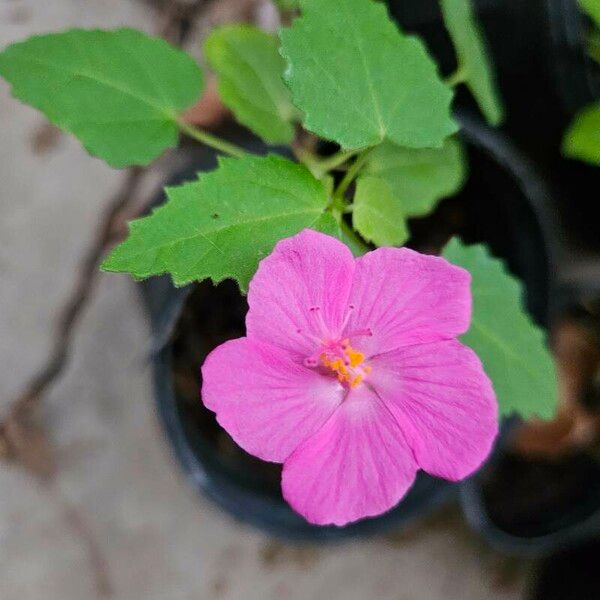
[308, 159]
[457, 77]
[335, 160]
[211, 140]
[351, 174]
[320, 166]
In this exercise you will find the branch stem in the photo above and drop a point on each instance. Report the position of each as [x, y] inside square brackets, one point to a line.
[457, 77]
[320, 166]
[335, 160]
[351, 174]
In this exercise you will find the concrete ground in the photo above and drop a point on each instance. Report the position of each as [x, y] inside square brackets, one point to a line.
[117, 485]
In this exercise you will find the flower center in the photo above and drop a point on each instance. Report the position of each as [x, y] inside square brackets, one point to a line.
[337, 356]
[345, 362]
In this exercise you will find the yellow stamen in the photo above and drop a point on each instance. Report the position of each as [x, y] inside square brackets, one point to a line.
[356, 358]
[345, 366]
[356, 381]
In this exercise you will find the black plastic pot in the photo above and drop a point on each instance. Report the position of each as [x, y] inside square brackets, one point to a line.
[237, 490]
[564, 509]
[505, 203]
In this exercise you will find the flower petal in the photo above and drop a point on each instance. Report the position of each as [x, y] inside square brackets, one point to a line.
[307, 270]
[357, 465]
[266, 401]
[406, 298]
[444, 403]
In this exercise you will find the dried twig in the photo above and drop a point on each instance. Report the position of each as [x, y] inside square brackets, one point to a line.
[76, 522]
[87, 277]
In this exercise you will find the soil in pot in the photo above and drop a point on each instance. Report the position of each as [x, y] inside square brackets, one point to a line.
[211, 316]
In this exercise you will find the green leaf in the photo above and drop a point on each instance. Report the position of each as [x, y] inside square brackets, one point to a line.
[593, 45]
[223, 224]
[357, 245]
[511, 347]
[359, 80]
[582, 139]
[377, 215]
[592, 9]
[418, 179]
[118, 91]
[326, 223]
[250, 71]
[473, 60]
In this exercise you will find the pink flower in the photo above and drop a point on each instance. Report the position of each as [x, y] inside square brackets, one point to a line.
[350, 375]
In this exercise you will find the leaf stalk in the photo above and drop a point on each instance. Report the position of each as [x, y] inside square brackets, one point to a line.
[208, 139]
[351, 174]
[457, 77]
